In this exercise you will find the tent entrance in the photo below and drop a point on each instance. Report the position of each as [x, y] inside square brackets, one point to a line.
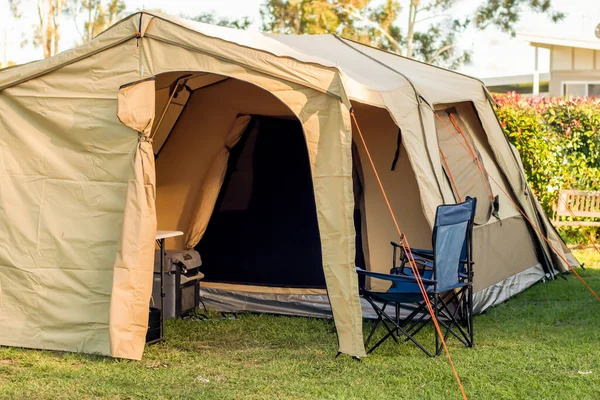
[264, 230]
[233, 173]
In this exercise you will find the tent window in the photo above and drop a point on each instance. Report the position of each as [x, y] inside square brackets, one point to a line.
[462, 171]
[264, 229]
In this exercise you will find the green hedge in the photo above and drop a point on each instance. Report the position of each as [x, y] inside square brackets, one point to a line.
[559, 143]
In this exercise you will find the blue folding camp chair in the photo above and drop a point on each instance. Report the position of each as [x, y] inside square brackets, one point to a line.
[447, 276]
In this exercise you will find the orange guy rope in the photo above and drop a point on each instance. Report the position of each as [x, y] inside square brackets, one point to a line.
[525, 216]
[471, 151]
[450, 174]
[413, 266]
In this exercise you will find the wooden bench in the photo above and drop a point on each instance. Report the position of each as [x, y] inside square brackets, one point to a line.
[582, 204]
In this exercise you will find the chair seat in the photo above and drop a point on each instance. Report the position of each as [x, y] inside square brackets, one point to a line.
[411, 286]
[396, 297]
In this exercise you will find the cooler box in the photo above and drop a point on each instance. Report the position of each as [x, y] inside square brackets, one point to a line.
[181, 284]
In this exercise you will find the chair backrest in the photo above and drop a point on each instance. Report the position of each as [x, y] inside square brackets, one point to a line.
[452, 241]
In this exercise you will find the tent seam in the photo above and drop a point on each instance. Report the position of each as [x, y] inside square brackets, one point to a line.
[418, 97]
[331, 68]
[197, 50]
[66, 63]
[418, 61]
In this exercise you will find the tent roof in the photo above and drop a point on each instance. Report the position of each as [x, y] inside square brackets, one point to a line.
[367, 73]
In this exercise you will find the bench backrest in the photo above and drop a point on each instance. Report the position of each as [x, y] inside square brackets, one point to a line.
[583, 203]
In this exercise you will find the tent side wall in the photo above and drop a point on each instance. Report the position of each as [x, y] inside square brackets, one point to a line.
[437, 85]
[66, 166]
[493, 267]
[381, 137]
[492, 236]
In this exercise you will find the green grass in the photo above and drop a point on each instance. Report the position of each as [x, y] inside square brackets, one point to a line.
[543, 344]
[588, 256]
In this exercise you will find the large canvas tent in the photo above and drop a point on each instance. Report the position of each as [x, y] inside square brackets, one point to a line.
[243, 141]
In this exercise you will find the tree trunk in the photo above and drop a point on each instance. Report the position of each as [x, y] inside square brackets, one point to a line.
[412, 18]
[56, 13]
[90, 23]
[48, 31]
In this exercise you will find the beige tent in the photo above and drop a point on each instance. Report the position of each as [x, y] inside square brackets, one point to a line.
[81, 195]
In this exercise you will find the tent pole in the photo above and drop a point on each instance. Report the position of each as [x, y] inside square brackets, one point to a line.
[175, 90]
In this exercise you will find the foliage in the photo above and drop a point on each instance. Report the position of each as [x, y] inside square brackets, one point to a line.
[559, 143]
[543, 344]
[505, 13]
[213, 19]
[8, 64]
[429, 35]
[46, 33]
[97, 15]
[370, 22]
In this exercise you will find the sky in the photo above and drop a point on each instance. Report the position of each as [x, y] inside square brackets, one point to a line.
[494, 53]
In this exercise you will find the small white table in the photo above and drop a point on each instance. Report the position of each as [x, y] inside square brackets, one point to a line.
[160, 240]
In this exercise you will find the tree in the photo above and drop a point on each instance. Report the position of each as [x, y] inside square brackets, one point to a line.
[47, 32]
[98, 15]
[8, 64]
[430, 34]
[213, 19]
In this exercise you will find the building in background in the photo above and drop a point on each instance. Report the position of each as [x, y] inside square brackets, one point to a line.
[574, 68]
[522, 84]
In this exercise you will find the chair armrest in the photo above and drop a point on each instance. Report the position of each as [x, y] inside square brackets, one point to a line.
[421, 257]
[423, 261]
[392, 278]
[414, 250]
[423, 253]
[468, 271]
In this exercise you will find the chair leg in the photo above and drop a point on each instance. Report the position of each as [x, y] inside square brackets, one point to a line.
[466, 300]
[391, 332]
[410, 337]
[410, 319]
[470, 314]
[453, 321]
[417, 324]
[380, 319]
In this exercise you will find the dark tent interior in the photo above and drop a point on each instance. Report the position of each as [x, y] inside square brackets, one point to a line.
[264, 228]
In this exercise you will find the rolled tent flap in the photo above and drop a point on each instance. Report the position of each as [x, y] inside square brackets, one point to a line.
[209, 191]
[134, 262]
[136, 105]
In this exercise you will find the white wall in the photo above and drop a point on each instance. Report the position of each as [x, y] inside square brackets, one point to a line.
[573, 59]
[569, 64]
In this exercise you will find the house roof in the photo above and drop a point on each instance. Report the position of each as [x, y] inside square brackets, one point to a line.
[548, 41]
[514, 79]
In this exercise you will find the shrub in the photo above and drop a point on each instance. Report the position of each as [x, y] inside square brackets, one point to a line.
[559, 143]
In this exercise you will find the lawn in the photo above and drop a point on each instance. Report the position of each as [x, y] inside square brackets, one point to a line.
[543, 344]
